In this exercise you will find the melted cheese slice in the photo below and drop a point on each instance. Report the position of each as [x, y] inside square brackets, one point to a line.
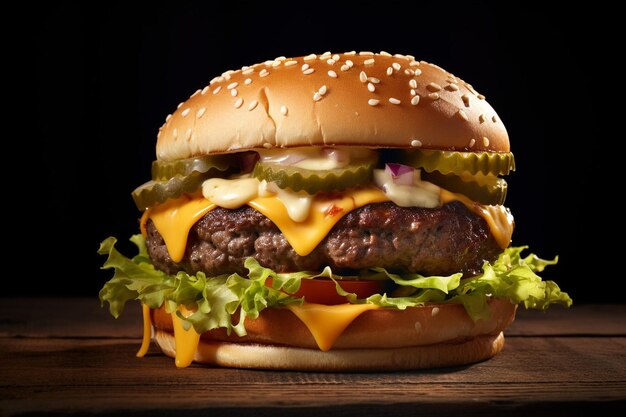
[147, 331]
[326, 323]
[174, 218]
[324, 214]
[498, 218]
[186, 340]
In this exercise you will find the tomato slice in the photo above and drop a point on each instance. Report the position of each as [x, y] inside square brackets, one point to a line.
[322, 291]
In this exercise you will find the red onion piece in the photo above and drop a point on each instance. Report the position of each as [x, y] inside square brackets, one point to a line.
[401, 174]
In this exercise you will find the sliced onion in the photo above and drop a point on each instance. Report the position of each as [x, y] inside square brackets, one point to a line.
[401, 174]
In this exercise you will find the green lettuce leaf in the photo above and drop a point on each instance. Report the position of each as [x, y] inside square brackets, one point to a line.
[217, 300]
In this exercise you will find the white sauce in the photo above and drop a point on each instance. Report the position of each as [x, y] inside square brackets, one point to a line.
[419, 194]
[235, 192]
[230, 193]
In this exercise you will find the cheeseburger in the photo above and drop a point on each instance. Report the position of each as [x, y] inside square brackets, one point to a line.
[329, 212]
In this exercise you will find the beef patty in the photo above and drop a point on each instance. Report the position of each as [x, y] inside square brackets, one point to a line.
[439, 241]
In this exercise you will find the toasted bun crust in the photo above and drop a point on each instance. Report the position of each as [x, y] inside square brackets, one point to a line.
[419, 337]
[372, 102]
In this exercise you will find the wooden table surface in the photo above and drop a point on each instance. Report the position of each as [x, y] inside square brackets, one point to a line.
[68, 356]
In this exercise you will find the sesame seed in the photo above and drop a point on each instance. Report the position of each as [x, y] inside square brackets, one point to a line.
[434, 311]
[366, 53]
[248, 81]
[290, 63]
[188, 134]
[413, 92]
[485, 141]
[345, 67]
[349, 63]
[396, 66]
[350, 53]
[226, 76]
[323, 89]
[385, 53]
[175, 133]
[267, 145]
[416, 143]
[481, 97]
[304, 67]
[453, 80]
[434, 96]
[195, 93]
[472, 143]
[216, 79]
[433, 87]
[200, 112]
[232, 85]
[247, 71]
[414, 64]
[332, 74]
[413, 84]
[269, 63]
[336, 57]
[325, 54]
[409, 71]
[276, 63]
[245, 67]
[204, 90]
[330, 61]
[417, 72]
[494, 119]
[373, 102]
[452, 87]
[394, 100]
[238, 103]
[309, 71]
[280, 58]
[310, 57]
[283, 110]
[217, 89]
[179, 105]
[415, 100]
[399, 56]
[389, 70]
[466, 100]
[186, 112]
[225, 73]
[264, 73]
[369, 61]
[462, 115]
[481, 119]
[167, 119]
[317, 96]
[371, 87]
[252, 105]
[363, 76]
[233, 92]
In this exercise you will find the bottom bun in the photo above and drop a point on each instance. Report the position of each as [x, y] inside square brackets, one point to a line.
[243, 355]
[431, 336]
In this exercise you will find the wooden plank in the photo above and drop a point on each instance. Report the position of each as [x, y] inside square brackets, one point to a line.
[83, 317]
[102, 375]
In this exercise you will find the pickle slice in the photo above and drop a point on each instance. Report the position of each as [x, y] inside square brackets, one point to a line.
[484, 189]
[155, 192]
[214, 165]
[313, 181]
[451, 162]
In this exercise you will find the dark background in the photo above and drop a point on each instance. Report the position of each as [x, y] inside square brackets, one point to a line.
[104, 79]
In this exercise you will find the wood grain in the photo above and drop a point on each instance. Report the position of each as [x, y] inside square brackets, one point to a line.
[52, 366]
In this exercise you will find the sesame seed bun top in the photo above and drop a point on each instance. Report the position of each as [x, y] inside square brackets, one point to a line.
[349, 99]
